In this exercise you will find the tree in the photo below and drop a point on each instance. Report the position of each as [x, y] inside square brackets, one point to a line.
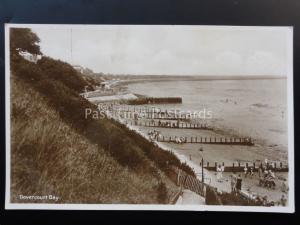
[25, 40]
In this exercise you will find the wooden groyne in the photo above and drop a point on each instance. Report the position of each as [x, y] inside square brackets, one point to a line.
[206, 140]
[142, 109]
[149, 115]
[171, 125]
[152, 113]
[240, 167]
[153, 116]
[154, 100]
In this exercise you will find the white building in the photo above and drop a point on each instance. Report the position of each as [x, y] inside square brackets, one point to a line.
[30, 57]
[80, 69]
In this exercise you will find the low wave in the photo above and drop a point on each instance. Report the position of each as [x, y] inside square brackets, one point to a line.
[261, 105]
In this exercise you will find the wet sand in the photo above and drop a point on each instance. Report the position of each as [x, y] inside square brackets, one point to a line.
[213, 152]
[239, 113]
[190, 154]
[253, 108]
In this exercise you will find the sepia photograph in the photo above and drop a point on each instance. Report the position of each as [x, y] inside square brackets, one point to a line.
[149, 117]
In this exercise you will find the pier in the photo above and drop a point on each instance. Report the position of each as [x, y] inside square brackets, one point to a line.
[206, 140]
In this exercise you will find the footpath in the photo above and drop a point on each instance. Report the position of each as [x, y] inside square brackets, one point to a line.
[190, 198]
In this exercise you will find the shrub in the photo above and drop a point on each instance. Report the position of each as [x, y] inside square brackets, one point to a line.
[55, 149]
[127, 147]
[50, 157]
[162, 194]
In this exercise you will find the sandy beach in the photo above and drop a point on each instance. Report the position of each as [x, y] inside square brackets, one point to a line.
[216, 153]
[233, 117]
[255, 108]
[189, 154]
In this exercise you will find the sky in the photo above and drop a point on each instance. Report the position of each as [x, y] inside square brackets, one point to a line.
[169, 50]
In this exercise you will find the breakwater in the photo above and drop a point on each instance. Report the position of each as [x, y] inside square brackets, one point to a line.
[240, 167]
[206, 140]
[154, 100]
[171, 125]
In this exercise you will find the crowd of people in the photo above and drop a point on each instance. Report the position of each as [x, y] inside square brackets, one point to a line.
[180, 140]
[154, 135]
[266, 177]
[235, 183]
[248, 172]
[168, 124]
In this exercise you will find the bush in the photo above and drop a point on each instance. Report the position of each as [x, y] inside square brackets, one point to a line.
[63, 72]
[56, 149]
[127, 147]
[233, 199]
[49, 157]
[162, 195]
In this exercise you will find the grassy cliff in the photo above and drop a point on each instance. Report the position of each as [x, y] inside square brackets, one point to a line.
[56, 150]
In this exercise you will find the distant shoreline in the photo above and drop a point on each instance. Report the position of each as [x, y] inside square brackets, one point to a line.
[157, 78]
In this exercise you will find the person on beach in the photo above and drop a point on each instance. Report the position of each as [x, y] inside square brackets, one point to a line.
[263, 177]
[272, 174]
[273, 165]
[265, 200]
[159, 136]
[266, 173]
[181, 139]
[245, 171]
[283, 201]
[222, 170]
[219, 173]
[267, 164]
[233, 180]
[271, 179]
[260, 171]
[284, 187]
[239, 183]
[251, 172]
[258, 200]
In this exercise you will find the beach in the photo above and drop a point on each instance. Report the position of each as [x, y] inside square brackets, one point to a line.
[239, 108]
[190, 154]
[245, 108]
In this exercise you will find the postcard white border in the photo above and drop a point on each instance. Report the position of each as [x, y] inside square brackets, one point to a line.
[37, 206]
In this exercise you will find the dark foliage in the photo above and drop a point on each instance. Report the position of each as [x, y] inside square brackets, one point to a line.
[212, 197]
[123, 144]
[25, 40]
[237, 199]
[162, 195]
[61, 84]
[63, 72]
[152, 100]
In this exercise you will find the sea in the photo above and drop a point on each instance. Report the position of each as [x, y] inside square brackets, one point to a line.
[255, 108]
